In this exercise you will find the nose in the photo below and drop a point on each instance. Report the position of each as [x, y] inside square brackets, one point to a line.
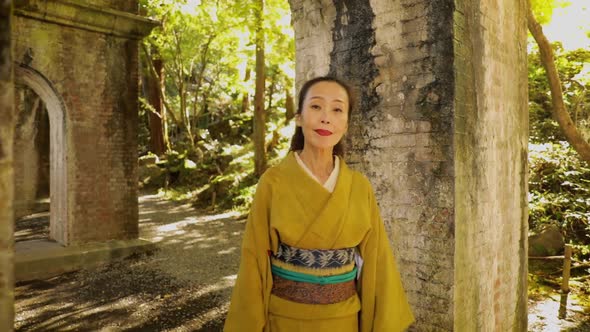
[324, 118]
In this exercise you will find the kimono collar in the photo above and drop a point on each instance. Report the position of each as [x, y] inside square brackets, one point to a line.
[330, 183]
[324, 212]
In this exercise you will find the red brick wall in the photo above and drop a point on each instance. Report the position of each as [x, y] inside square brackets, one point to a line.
[96, 76]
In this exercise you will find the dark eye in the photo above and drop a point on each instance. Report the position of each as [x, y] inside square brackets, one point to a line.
[338, 110]
[315, 107]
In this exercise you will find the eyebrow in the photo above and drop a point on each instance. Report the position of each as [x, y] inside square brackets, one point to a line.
[319, 97]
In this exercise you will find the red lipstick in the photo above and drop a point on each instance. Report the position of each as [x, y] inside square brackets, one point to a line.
[323, 132]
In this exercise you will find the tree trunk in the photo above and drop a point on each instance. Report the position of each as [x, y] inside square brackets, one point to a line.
[199, 79]
[271, 92]
[155, 118]
[289, 106]
[246, 97]
[161, 86]
[185, 113]
[7, 181]
[558, 110]
[181, 80]
[259, 116]
[162, 95]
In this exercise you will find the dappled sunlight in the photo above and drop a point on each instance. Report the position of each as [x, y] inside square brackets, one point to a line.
[570, 24]
[555, 313]
[219, 285]
[172, 227]
[227, 251]
[184, 285]
[221, 216]
[173, 219]
[32, 227]
[232, 277]
[24, 233]
[215, 313]
[196, 239]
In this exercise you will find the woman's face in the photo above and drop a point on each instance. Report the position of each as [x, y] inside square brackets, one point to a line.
[324, 117]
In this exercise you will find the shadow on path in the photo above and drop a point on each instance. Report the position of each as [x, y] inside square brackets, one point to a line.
[183, 286]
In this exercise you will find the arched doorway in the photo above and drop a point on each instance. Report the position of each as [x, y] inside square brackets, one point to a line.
[42, 87]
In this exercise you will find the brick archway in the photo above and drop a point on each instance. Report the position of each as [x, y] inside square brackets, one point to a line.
[56, 110]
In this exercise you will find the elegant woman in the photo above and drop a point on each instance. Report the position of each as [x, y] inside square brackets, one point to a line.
[315, 255]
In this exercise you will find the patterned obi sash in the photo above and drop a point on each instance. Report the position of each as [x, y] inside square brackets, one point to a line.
[313, 276]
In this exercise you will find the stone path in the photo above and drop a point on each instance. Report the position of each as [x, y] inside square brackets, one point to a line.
[184, 286]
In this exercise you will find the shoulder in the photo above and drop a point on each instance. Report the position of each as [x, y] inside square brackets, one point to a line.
[365, 187]
[265, 184]
[359, 180]
[281, 171]
[271, 178]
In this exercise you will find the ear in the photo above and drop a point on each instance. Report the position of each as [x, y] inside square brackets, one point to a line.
[298, 120]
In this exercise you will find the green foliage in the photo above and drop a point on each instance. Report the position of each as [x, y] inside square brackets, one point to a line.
[236, 185]
[179, 169]
[559, 183]
[143, 128]
[208, 52]
[573, 68]
[207, 47]
[543, 9]
[559, 191]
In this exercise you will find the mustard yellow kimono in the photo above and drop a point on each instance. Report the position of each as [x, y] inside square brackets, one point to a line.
[293, 208]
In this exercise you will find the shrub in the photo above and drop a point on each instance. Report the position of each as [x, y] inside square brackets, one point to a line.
[559, 191]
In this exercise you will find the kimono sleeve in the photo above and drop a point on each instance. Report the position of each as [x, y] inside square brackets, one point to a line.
[384, 303]
[247, 311]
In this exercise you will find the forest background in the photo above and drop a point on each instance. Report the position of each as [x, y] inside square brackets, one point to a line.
[218, 96]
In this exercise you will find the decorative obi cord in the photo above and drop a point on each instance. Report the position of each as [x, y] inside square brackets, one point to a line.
[314, 276]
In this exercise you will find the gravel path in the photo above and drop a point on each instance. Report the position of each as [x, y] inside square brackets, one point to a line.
[184, 286]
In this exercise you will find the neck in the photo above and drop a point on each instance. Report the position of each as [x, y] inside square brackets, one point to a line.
[319, 162]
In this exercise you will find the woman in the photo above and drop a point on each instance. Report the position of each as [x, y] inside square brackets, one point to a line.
[315, 255]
